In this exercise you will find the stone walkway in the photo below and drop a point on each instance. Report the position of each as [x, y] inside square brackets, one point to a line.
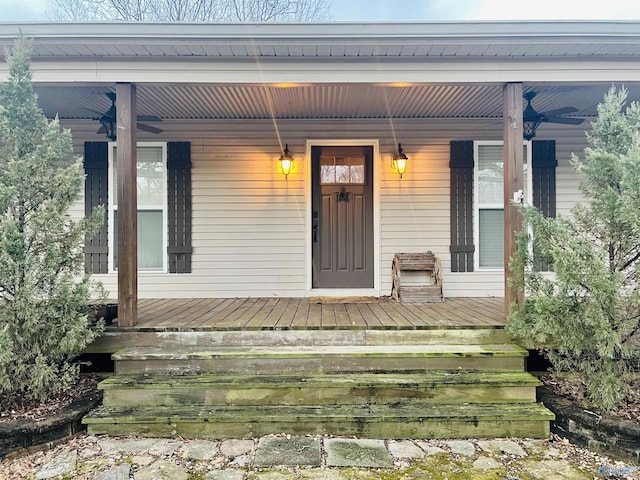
[322, 458]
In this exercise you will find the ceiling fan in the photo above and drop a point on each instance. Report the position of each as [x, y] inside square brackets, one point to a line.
[532, 119]
[108, 120]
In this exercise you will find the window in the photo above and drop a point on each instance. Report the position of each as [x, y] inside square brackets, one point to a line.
[342, 170]
[152, 207]
[489, 202]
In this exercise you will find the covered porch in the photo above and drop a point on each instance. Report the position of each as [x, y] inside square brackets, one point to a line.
[227, 103]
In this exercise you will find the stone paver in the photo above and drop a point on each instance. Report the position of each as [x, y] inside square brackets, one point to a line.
[552, 453]
[429, 449]
[274, 451]
[199, 450]
[128, 445]
[162, 470]
[502, 446]
[143, 460]
[164, 447]
[553, 470]
[235, 448]
[405, 449]
[486, 463]
[461, 447]
[59, 466]
[241, 461]
[119, 472]
[342, 459]
[321, 474]
[226, 474]
[271, 476]
[343, 452]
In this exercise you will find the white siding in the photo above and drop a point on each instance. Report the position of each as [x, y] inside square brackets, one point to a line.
[249, 222]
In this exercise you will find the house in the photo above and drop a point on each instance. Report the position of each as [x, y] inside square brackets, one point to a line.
[216, 214]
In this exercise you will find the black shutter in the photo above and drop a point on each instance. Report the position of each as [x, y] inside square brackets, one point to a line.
[96, 189]
[461, 196]
[179, 206]
[543, 153]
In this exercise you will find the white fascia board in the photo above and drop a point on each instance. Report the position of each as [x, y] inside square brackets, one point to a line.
[320, 30]
[314, 72]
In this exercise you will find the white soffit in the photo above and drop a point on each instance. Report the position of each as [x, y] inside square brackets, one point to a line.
[452, 40]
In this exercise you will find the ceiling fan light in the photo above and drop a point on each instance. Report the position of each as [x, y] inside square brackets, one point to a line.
[110, 128]
[529, 128]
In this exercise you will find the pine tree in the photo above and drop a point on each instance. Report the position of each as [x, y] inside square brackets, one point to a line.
[44, 321]
[586, 318]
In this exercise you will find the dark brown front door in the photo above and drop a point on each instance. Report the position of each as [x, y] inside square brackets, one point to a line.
[342, 217]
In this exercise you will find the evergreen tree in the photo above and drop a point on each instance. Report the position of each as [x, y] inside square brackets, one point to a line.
[586, 318]
[44, 321]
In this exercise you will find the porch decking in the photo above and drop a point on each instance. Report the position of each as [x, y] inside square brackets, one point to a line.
[316, 314]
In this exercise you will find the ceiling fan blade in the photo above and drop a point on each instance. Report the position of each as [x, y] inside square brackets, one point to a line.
[101, 130]
[559, 111]
[565, 120]
[148, 118]
[149, 128]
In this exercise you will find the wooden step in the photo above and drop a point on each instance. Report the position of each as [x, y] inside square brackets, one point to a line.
[344, 389]
[114, 339]
[331, 358]
[368, 421]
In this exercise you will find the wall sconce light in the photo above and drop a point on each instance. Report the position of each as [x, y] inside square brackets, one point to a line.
[400, 161]
[286, 161]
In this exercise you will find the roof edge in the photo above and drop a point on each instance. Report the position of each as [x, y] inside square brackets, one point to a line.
[325, 30]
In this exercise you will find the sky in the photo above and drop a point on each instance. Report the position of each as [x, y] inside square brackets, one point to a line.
[418, 10]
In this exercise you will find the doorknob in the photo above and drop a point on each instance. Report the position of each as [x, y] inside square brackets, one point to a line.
[315, 231]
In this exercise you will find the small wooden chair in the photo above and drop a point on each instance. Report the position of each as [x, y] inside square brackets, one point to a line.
[430, 291]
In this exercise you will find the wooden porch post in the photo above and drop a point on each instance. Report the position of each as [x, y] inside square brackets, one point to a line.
[513, 182]
[127, 205]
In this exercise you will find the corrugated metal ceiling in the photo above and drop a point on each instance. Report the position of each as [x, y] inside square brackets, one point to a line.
[320, 101]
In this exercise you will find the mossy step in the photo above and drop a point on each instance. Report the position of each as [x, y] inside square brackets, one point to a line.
[370, 421]
[363, 388]
[114, 339]
[329, 358]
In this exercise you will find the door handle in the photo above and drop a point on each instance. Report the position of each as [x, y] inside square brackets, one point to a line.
[315, 231]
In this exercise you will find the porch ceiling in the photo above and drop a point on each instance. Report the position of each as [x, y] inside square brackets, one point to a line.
[320, 101]
[108, 52]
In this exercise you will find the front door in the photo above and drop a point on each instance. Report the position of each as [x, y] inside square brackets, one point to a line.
[342, 217]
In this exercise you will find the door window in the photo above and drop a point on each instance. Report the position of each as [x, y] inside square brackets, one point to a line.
[342, 170]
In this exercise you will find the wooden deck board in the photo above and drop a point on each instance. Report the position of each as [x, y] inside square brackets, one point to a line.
[355, 316]
[341, 315]
[299, 321]
[302, 313]
[328, 316]
[255, 323]
[286, 319]
[314, 317]
[182, 313]
[219, 313]
[243, 315]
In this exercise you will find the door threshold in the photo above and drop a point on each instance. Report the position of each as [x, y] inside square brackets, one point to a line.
[343, 292]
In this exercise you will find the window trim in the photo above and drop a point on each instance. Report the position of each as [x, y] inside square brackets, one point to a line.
[112, 207]
[476, 196]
